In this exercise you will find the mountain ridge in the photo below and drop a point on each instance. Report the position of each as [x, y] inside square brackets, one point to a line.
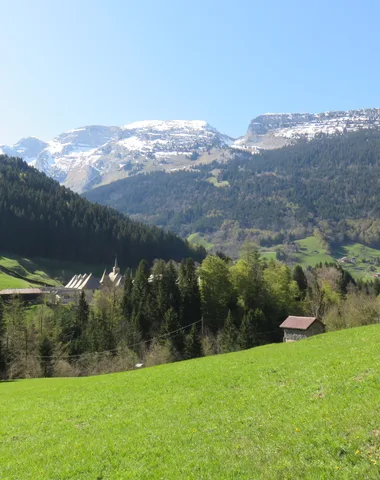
[86, 157]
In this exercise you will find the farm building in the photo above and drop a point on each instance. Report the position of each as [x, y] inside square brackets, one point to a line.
[30, 295]
[298, 328]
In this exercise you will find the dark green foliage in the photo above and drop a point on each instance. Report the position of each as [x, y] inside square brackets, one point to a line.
[176, 339]
[39, 218]
[74, 326]
[229, 335]
[99, 336]
[326, 183]
[45, 351]
[189, 292]
[193, 345]
[246, 332]
[300, 277]
[142, 301]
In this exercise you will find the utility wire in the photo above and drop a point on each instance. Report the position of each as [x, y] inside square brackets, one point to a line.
[117, 349]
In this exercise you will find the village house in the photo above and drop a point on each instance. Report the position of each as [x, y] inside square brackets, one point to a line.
[298, 328]
[347, 260]
[28, 295]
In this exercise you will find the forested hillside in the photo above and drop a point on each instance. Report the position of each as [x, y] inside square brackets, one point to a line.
[42, 219]
[329, 184]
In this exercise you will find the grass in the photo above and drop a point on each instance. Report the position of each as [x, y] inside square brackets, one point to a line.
[306, 255]
[8, 281]
[198, 239]
[216, 183]
[30, 272]
[302, 410]
[311, 253]
[39, 270]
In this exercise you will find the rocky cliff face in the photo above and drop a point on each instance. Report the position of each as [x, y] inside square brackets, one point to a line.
[89, 156]
[274, 130]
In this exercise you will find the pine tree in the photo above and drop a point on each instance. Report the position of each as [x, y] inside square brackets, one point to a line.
[229, 335]
[142, 300]
[193, 345]
[190, 310]
[259, 327]
[245, 336]
[175, 340]
[46, 349]
[300, 277]
[134, 335]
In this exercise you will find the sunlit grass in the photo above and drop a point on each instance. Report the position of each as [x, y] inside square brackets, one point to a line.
[304, 410]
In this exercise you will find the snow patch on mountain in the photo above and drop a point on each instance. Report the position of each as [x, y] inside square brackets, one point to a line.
[272, 130]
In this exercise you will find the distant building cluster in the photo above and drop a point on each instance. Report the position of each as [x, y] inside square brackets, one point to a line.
[86, 283]
[351, 260]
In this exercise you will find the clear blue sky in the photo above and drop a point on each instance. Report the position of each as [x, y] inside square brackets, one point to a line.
[71, 63]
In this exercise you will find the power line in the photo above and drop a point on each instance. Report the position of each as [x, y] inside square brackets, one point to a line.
[117, 349]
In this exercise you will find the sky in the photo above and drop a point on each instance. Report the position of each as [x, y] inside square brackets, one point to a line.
[70, 63]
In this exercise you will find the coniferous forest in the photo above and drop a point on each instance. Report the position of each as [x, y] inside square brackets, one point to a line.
[329, 184]
[40, 218]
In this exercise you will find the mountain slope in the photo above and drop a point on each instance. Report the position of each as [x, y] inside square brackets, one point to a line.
[40, 218]
[89, 156]
[86, 157]
[308, 409]
[329, 182]
[274, 130]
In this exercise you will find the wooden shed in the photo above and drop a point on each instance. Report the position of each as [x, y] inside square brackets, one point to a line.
[298, 328]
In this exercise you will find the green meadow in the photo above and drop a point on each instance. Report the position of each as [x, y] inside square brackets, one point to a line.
[198, 239]
[308, 409]
[20, 272]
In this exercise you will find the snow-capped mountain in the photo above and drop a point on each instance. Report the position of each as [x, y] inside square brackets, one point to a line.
[27, 148]
[273, 130]
[88, 156]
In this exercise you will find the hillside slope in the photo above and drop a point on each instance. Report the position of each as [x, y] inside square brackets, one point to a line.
[85, 157]
[328, 182]
[302, 410]
[39, 218]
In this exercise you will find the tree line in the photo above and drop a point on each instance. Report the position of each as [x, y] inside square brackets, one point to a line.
[170, 312]
[39, 218]
[277, 195]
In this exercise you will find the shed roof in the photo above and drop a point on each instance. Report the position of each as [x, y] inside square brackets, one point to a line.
[21, 291]
[298, 323]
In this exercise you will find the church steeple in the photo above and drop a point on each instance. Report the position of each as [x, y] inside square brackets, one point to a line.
[116, 268]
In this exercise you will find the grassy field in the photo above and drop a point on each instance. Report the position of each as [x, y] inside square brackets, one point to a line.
[311, 252]
[39, 270]
[289, 411]
[8, 281]
[198, 239]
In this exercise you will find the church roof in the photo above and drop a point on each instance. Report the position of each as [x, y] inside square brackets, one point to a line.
[89, 283]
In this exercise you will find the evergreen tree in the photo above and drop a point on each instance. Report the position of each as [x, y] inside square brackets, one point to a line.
[193, 345]
[300, 277]
[246, 332]
[142, 300]
[190, 310]
[46, 349]
[229, 335]
[175, 340]
[134, 335]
